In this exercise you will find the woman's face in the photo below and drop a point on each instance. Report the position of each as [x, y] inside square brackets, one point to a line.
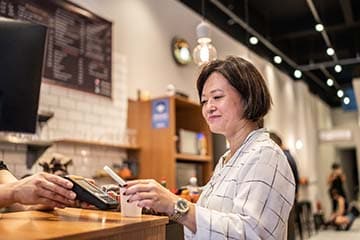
[222, 105]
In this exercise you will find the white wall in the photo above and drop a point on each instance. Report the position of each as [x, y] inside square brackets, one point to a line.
[143, 31]
[86, 116]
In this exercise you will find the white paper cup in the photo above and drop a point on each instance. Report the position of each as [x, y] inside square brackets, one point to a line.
[129, 209]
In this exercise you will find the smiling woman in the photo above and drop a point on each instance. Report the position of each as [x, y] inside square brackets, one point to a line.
[238, 77]
[252, 188]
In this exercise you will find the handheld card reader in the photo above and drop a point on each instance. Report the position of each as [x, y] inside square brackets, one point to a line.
[91, 193]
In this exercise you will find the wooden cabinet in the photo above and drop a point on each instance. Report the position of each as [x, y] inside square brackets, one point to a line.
[159, 145]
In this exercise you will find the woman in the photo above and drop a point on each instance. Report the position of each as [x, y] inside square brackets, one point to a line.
[341, 218]
[336, 181]
[252, 189]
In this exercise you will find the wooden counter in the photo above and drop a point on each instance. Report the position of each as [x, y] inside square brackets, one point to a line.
[74, 223]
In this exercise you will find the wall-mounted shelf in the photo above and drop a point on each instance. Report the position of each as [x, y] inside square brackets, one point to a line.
[25, 141]
[192, 157]
[35, 148]
[97, 143]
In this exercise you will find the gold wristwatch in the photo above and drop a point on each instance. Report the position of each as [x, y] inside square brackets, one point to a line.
[180, 209]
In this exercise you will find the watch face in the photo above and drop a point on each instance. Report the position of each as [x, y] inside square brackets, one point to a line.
[182, 205]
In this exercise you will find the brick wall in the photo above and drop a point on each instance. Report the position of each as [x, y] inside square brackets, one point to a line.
[83, 116]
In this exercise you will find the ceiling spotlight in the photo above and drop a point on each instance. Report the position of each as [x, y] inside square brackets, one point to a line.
[230, 22]
[297, 73]
[340, 93]
[330, 82]
[253, 40]
[346, 100]
[319, 27]
[337, 68]
[330, 51]
[277, 59]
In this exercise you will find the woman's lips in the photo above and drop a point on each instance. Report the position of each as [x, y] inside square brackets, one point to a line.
[213, 118]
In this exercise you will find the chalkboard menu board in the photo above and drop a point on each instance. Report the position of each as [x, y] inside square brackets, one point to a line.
[78, 51]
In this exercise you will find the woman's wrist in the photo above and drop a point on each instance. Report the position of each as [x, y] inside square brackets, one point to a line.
[171, 206]
[189, 219]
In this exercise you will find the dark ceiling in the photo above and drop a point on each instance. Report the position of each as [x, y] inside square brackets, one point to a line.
[289, 28]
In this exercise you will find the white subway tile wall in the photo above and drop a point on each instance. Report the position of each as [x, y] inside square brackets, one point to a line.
[83, 116]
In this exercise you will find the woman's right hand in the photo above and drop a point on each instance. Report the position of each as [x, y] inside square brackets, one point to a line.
[151, 195]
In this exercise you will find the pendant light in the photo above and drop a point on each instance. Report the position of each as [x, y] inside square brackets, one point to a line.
[204, 51]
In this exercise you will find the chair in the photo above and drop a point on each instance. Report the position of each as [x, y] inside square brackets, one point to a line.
[305, 217]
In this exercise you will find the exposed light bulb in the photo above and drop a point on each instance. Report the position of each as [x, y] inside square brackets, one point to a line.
[253, 40]
[330, 82]
[277, 59]
[330, 51]
[297, 73]
[204, 51]
[346, 100]
[340, 93]
[338, 68]
[319, 27]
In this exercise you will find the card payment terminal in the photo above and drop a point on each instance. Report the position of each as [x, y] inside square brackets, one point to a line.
[91, 193]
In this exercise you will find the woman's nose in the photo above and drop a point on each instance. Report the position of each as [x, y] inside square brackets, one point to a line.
[210, 108]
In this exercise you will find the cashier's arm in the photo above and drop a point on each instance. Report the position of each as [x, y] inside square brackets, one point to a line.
[41, 188]
[6, 178]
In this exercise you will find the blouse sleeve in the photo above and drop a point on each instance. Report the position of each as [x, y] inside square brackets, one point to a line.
[260, 204]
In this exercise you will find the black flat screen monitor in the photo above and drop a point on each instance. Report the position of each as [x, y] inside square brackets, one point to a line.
[22, 47]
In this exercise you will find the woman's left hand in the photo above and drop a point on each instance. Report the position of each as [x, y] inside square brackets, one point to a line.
[151, 194]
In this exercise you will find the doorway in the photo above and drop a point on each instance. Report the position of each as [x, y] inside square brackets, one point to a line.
[348, 162]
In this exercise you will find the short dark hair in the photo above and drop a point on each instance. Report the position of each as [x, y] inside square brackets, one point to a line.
[247, 80]
[275, 138]
[335, 166]
[334, 192]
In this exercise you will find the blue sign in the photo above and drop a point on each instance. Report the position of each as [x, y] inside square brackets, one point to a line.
[160, 113]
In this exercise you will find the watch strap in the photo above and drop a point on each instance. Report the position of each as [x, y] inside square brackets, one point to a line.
[176, 216]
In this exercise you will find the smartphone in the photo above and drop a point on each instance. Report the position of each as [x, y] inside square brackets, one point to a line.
[91, 193]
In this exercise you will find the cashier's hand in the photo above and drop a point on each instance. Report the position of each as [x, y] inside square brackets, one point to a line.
[44, 188]
[151, 194]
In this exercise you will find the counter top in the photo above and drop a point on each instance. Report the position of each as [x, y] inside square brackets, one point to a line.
[75, 223]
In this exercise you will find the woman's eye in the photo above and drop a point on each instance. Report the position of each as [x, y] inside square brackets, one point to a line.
[203, 102]
[218, 97]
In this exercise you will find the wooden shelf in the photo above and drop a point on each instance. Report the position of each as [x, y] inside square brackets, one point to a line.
[158, 155]
[97, 143]
[192, 157]
[184, 102]
[25, 141]
[35, 147]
